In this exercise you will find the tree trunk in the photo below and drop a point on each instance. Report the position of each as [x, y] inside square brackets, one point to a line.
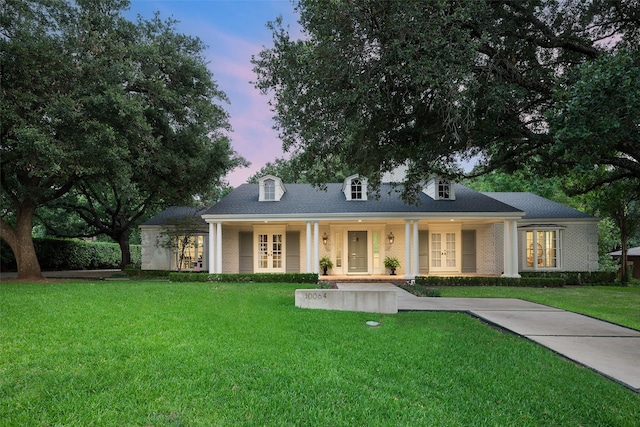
[20, 241]
[123, 242]
[624, 278]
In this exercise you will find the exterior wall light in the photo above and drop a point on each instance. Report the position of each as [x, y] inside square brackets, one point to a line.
[391, 238]
[325, 238]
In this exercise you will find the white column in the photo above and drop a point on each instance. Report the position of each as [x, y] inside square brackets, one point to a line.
[407, 249]
[316, 247]
[416, 250]
[218, 247]
[514, 247]
[510, 249]
[212, 245]
[308, 240]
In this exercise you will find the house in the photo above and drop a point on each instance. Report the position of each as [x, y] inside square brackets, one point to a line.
[451, 230]
[633, 260]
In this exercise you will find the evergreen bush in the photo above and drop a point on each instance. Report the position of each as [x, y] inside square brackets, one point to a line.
[574, 278]
[546, 282]
[72, 254]
[245, 278]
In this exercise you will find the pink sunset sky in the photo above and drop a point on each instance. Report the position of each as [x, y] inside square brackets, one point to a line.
[233, 30]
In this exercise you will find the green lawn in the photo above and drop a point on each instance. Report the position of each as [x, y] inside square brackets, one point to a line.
[619, 305]
[206, 354]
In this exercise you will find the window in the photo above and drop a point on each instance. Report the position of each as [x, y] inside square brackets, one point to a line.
[269, 189]
[189, 252]
[356, 189]
[444, 190]
[440, 189]
[338, 249]
[542, 248]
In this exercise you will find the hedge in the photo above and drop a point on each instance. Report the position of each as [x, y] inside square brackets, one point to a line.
[245, 278]
[72, 254]
[576, 277]
[533, 282]
[136, 272]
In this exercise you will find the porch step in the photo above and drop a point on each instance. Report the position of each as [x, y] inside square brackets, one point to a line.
[333, 280]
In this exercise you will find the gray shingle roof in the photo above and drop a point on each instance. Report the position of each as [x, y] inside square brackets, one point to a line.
[172, 214]
[536, 207]
[630, 252]
[307, 199]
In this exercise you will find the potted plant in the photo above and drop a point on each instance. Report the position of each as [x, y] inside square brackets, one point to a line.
[392, 263]
[326, 264]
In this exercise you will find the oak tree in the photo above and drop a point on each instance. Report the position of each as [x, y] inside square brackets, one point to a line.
[426, 83]
[91, 100]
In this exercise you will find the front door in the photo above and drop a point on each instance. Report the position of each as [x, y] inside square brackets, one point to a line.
[358, 252]
[444, 252]
[270, 252]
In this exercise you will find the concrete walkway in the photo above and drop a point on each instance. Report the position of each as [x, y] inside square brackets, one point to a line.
[609, 349]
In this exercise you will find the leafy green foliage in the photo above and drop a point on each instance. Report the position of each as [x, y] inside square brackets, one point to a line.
[72, 254]
[549, 282]
[420, 290]
[126, 114]
[292, 170]
[378, 84]
[595, 122]
[245, 278]
[574, 278]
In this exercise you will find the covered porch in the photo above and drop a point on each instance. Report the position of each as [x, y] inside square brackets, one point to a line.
[357, 249]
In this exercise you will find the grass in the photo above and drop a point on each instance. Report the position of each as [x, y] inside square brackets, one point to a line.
[203, 354]
[619, 305]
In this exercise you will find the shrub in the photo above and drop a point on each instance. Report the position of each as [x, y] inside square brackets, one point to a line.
[489, 281]
[420, 290]
[133, 271]
[245, 278]
[72, 254]
[575, 277]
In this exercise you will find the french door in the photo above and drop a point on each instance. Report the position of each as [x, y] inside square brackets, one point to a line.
[445, 251]
[270, 252]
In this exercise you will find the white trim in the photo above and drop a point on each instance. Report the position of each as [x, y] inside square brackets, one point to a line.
[368, 216]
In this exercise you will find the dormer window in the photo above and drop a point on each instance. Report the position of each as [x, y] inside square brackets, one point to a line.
[355, 188]
[440, 189]
[444, 190]
[271, 189]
